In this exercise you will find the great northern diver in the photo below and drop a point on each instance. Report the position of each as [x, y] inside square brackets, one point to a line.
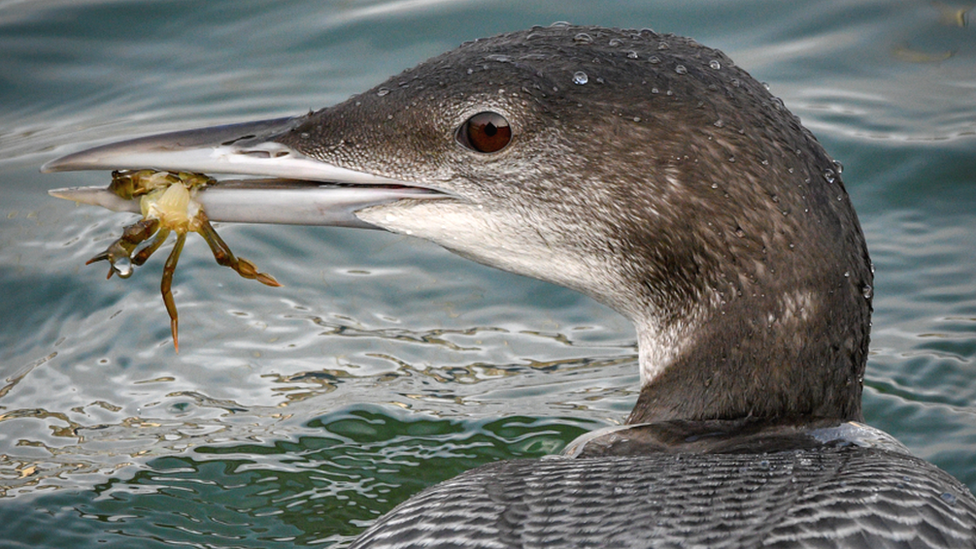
[651, 173]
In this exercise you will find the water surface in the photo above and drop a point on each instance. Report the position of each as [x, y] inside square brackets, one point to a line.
[295, 416]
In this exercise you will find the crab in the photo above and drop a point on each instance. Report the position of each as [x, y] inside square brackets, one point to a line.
[167, 202]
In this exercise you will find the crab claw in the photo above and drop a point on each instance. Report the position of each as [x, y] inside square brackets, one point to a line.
[119, 253]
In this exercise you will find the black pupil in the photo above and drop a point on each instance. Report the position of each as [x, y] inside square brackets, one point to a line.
[485, 132]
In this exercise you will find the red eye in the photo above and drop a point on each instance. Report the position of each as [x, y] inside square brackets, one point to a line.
[485, 132]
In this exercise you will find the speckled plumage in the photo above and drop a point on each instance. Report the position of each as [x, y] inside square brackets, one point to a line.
[834, 496]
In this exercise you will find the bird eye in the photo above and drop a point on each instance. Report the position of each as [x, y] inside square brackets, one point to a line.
[485, 132]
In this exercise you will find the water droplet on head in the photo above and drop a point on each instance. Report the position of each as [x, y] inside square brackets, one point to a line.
[583, 38]
[948, 498]
[579, 77]
[680, 69]
[560, 24]
[499, 58]
[829, 175]
[714, 64]
[867, 291]
[382, 91]
[616, 42]
[654, 60]
[838, 167]
[632, 54]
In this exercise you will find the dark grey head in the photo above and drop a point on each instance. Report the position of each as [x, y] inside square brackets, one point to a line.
[644, 170]
[652, 174]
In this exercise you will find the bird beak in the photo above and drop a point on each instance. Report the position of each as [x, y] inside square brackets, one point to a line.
[296, 189]
[168, 178]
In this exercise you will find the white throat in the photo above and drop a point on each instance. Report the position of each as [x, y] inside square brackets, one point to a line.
[658, 348]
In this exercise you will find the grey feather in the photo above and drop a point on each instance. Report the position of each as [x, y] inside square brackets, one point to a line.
[840, 496]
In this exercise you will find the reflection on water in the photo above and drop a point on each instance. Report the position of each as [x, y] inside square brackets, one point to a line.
[294, 416]
[347, 468]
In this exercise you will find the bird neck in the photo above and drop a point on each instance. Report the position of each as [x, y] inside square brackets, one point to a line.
[770, 355]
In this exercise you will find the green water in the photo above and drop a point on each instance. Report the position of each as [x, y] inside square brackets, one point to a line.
[295, 416]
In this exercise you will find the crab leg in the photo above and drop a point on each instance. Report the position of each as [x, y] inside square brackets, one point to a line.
[143, 255]
[225, 257]
[166, 284]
